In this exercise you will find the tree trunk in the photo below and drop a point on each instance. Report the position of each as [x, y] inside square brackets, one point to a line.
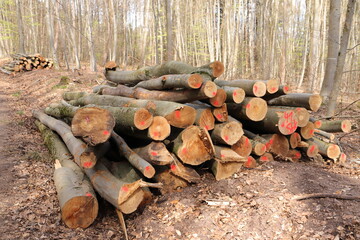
[84, 155]
[251, 87]
[322, 134]
[178, 115]
[139, 163]
[193, 146]
[333, 48]
[306, 100]
[234, 94]
[169, 30]
[20, 27]
[326, 149]
[90, 40]
[341, 58]
[336, 126]
[250, 109]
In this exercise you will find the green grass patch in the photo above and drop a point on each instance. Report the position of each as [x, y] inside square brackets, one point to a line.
[16, 94]
[20, 112]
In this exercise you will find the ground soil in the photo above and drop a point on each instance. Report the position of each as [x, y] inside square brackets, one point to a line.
[253, 204]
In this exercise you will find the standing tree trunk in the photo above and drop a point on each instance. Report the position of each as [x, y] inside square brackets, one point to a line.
[169, 41]
[20, 27]
[90, 36]
[341, 59]
[333, 48]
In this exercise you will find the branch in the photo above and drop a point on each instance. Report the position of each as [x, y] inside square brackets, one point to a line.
[347, 107]
[326, 195]
[349, 49]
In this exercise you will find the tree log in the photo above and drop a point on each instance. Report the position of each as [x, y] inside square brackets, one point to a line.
[278, 144]
[178, 115]
[250, 163]
[327, 135]
[242, 147]
[155, 153]
[258, 148]
[317, 123]
[218, 100]
[272, 85]
[84, 155]
[266, 157]
[193, 146]
[234, 94]
[294, 140]
[306, 100]
[227, 133]
[226, 154]
[189, 81]
[78, 203]
[308, 131]
[187, 173]
[326, 149]
[250, 109]
[251, 87]
[68, 96]
[139, 163]
[336, 126]
[294, 155]
[311, 150]
[221, 113]
[223, 170]
[204, 116]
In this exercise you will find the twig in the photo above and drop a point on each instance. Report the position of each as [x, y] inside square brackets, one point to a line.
[347, 107]
[348, 133]
[122, 222]
[326, 195]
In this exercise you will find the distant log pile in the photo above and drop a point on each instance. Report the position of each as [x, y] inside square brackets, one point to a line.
[164, 122]
[23, 63]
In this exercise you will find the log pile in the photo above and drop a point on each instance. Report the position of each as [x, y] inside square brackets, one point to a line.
[23, 63]
[162, 123]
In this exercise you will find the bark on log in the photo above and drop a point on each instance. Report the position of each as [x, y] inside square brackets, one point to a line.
[68, 96]
[227, 133]
[234, 94]
[155, 153]
[336, 126]
[189, 81]
[178, 115]
[306, 100]
[242, 147]
[317, 123]
[213, 69]
[327, 135]
[250, 109]
[226, 154]
[84, 155]
[204, 116]
[78, 203]
[326, 149]
[251, 87]
[139, 163]
[221, 113]
[311, 150]
[94, 125]
[218, 100]
[193, 146]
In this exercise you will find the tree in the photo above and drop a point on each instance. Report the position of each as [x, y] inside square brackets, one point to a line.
[169, 41]
[341, 58]
[50, 29]
[90, 36]
[20, 27]
[333, 48]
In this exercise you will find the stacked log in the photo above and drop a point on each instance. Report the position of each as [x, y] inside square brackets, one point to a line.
[23, 63]
[166, 121]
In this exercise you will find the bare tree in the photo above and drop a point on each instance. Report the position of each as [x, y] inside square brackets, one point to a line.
[90, 36]
[20, 27]
[50, 29]
[169, 40]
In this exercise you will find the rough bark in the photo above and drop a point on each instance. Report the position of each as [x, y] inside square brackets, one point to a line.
[193, 146]
[135, 160]
[251, 87]
[189, 81]
[178, 115]
[306, 100]
[250, 109]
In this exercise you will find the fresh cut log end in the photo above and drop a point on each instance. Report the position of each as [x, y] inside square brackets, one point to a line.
[242, 147]
[93, 124]
[143, 119]
[294, 140]
[288, 122]
[159, 128]
[303, 116]
[259, 89]
[88, 159]
[272, 86]
[256, 109]
[209, 89]
[133, 202]
[223, 170]
[333, 151]
[220, 113]
[250, 163]
[315, 102]
[182, 117]
[219, 99]
[80, 211]
[259, 149]
[294, 155]
[195, 81]
[346, 126]
[227, 133]
[308, 131]
[312, 150]
[266, 157]
[238, 95]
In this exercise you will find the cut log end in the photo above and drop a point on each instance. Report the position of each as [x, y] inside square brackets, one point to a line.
[250, 163]
[266, 157]
[143, 119]
[134, 200]
[259, 149]
[308, 131]
[272, 86]
[294, 155]
[80, 211]
[224, 154]
[224, 170]
[206, 119]
[346, 126]
[93, 124]
[312, 150]
[221, 113]
[195, 81]
[342, 158]
[303, 116]
[238, 95]
[182, 117]
[209, 89]
[111, 65]
[295, 139]
[288, 122]
[159, 128]
[259, 89]
[88, 159]
[256, 109]
[219, 98]
[333, 151]
[277, 144]
[231, 132]
[242, 147]
[218, 68]
[315, 102]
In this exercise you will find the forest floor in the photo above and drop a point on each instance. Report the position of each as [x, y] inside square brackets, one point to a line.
[253, 204]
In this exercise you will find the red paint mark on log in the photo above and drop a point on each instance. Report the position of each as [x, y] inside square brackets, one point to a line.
[219, 116]
[87, 164]
[264, 158]
[106, 132]
[198, 85]
[156, 134]
[207, 127]
[184, 150]
[297, 155]
[173, 167]
[216, 103]
[246, 142]
[87, 119]
[234, 93]
[226, 138]
[248, 105]
[273, 89]
[88, 195]
[147, 168]
[222, 155]
[248, 162]
[312, 132]
[153, 153]
[125, 189]
[290, 123]
[214, 93]
[263, 148]
[142, 123]
[312, 149]
[177, 114]
[255, 89]
[286, 88]
[344, 126]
